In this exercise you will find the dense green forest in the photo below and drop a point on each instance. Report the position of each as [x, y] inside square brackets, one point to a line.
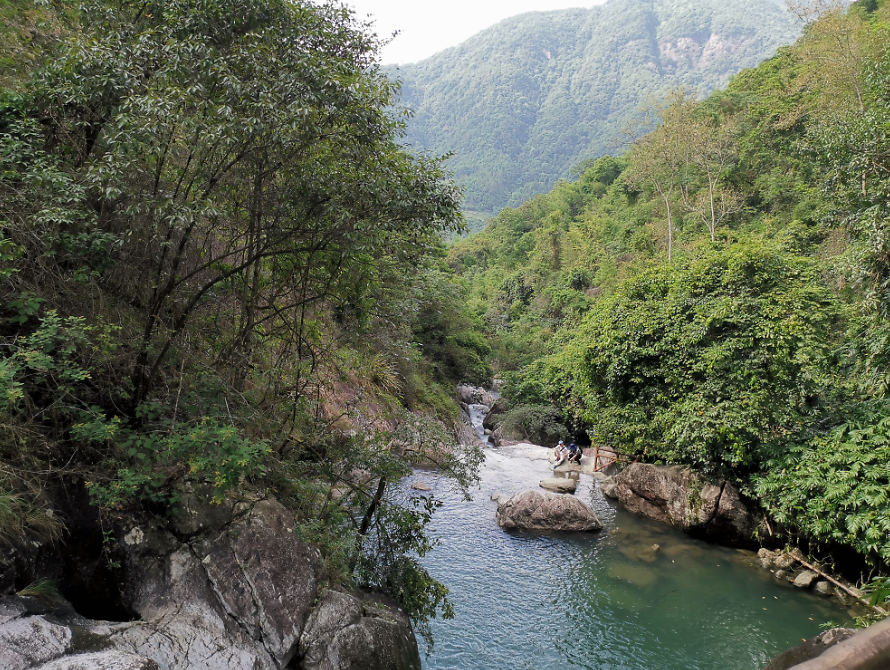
[523, 102]
[718, 297]
[218, 265]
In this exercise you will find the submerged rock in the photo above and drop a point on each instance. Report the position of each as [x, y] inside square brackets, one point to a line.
[421, 486]
[685, 500]
[823, 588]
[636, 575]
[559, 485]
[609, 487]
[536, 511]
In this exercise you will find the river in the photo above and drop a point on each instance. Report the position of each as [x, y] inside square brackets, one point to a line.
[605, 600]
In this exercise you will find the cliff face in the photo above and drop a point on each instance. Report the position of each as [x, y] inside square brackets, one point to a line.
[524, 101]
[225, 587]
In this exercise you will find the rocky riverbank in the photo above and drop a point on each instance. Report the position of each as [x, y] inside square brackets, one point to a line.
[221, 587]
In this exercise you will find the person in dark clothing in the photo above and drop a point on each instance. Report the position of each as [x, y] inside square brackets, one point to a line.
[575, 453]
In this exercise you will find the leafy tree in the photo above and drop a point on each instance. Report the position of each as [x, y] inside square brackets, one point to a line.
[226, 183]
[709, 363]
[661, 157]
[221, 155]
[712, 149]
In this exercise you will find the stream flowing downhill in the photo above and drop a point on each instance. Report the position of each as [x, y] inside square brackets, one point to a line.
[604, 600]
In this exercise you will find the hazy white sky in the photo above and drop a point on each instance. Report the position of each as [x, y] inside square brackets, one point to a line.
[428, 26]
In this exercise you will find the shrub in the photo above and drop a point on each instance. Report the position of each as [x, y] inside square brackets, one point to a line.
[539, 424]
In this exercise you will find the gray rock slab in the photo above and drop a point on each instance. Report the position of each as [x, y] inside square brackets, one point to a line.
[264, 577]
[29, 641]
[103, 660]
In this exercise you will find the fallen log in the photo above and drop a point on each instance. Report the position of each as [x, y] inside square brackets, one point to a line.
[856, 593]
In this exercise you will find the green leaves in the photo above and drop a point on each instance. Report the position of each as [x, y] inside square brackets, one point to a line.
[207, 450]
[707, 362]
[835, 488]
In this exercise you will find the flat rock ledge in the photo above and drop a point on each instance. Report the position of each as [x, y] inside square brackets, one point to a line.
[559, 485]
[545, 512]
[686, 500]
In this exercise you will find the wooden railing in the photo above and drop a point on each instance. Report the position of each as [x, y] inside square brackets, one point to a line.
[611, 456]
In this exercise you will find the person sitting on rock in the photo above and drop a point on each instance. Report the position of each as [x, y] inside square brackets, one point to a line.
[575, 453]
[560, 453]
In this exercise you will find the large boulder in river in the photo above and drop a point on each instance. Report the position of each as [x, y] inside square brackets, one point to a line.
[500, 437]
[686, 500]
[473, 395]
[540, 511]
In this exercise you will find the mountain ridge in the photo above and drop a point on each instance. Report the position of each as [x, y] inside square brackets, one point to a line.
[525, 100]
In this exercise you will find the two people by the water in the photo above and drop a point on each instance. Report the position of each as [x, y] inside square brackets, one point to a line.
[563, 453]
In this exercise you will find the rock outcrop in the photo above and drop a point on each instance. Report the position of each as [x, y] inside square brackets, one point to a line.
[545, 512]
[222, 590]
[685, 500]
[474, 395]
[609, 487]
[346, 631]
[810, 649]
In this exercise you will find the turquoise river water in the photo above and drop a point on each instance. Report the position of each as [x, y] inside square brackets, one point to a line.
[604, 600]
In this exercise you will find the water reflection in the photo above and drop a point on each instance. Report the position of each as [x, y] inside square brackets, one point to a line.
[636, 595]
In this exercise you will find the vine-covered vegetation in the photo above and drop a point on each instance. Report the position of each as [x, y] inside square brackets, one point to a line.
[218, 266]
[718, 297]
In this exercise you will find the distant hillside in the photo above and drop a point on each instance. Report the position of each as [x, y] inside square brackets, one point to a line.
[524, 101]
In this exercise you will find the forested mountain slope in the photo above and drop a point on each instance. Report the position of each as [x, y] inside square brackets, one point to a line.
[718, 297]
[524, 101]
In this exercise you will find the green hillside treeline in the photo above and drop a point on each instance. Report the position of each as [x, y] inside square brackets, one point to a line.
[750, 338]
